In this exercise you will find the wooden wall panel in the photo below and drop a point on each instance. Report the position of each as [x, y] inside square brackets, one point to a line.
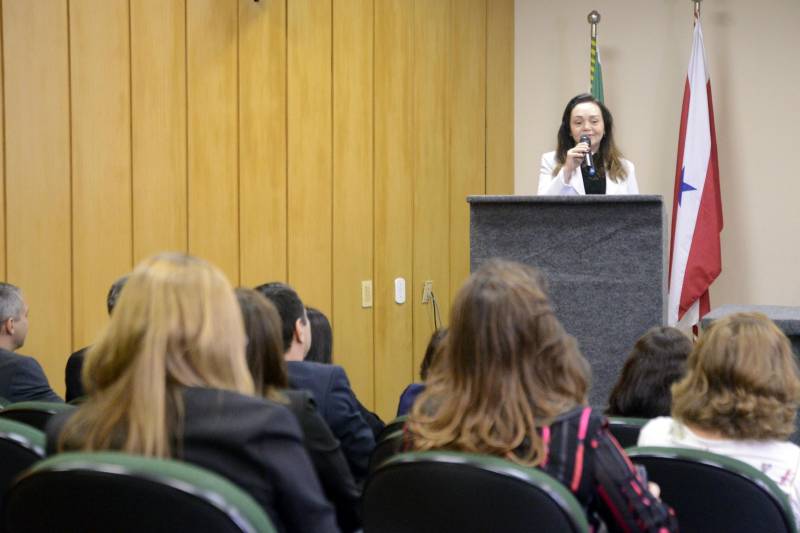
[158, 113]
[36, 64]
[467, 89]
[500, 97]
[432, 111]
[213, 209]
[310, 151]
[262, 137]
[3, 251]
[101, 158]
[394, 198]
[353, 190]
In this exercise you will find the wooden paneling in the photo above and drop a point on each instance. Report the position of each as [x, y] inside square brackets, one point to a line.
[432, 111]
[394, 198]
[467, 128]
[38, 173]
[212, 43]
[262, 137]
[3, 252]
[310, 151]
[158, 112]
[352, 190]
[500, 97]
[101, 163]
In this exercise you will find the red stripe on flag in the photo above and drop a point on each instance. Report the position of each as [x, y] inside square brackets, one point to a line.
[678, 167]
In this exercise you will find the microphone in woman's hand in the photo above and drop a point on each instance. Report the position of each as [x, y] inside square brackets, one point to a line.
[587, 157]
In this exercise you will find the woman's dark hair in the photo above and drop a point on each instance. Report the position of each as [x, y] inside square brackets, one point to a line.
[657, 361]
[321, 350]
[262, 325]
[608, 154]
[434, 346]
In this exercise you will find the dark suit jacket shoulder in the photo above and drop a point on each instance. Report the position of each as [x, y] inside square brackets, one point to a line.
[256, 444]
[339, 407]
[22, 379]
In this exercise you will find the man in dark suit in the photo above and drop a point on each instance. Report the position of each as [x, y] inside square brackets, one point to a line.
[328, 383]
[72, 374]
[21, 377]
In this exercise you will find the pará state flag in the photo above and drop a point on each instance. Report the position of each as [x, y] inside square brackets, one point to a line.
[695, 258]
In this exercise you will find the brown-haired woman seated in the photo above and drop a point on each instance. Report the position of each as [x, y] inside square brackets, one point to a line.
[168, 378]
[658, 360]
[511, 383]
[262, 324]
[739, 398]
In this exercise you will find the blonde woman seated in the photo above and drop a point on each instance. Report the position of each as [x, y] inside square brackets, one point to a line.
[739, 398]
[511, 383]
[168, 378]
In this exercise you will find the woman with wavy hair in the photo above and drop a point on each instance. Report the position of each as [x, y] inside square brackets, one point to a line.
[168, 378]
[587, 127]
[739, 398]
[510, 382]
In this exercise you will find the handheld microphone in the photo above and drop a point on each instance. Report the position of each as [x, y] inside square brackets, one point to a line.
[587, 157]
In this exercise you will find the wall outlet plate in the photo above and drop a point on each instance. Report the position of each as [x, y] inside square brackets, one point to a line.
[399, 291]
[366, 293]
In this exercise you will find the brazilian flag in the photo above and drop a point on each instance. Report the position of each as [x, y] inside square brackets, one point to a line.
[596, 72]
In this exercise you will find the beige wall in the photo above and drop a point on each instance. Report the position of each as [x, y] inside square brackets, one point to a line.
[323, 142]
[752, 54]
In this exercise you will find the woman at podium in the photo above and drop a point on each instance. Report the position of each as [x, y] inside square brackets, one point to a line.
[587, 160]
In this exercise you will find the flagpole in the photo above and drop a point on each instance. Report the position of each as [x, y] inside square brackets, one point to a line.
[595, 72]
[697, 9]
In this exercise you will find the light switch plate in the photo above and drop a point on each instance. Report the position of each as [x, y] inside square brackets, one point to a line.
[366, 293]
[400, 290]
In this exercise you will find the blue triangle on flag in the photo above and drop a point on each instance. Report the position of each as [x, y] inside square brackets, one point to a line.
[685, 187]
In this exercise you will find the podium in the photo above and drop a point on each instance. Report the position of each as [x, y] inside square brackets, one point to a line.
[603, 258]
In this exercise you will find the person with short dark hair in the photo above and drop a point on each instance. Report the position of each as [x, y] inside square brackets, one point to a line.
[328, 383]
[658, 360]
[72, 373]
[510, 382]
[21, 376]
[739, 398]
[564, 172]
[262, 324]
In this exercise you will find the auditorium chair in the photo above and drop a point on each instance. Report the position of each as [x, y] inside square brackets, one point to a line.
[387, 446]
[113, 491]
[20, 447]
[452, 492]
[712, 492]
[35, 414]
[626, 429]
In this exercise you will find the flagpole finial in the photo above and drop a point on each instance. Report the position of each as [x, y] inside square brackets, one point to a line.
[697, 8]
[594, 17]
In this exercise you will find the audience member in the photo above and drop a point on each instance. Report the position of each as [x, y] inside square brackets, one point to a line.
[262, 325]
[412, 391]
[72, 373]
[739, 398]
[510, 382]
[328, 383]
[321, 349]
[21, 377]
[169, 378]
[657, 361]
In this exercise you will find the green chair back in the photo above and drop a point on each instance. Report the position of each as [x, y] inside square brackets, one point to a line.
[452, 492]
[386, 447]
[712, 492]
[112, 491]
[20, 447]
[626, 429]
[35, 414]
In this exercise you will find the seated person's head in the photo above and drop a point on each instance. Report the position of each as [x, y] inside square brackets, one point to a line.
[114, 292]
[435, 345]
[321, 350]
[262, 324]
[295, 328]
[175, 325]
[506, 364]
[742, 381]
[657, 361]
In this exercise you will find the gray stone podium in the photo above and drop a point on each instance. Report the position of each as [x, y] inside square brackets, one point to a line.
[603, 258]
